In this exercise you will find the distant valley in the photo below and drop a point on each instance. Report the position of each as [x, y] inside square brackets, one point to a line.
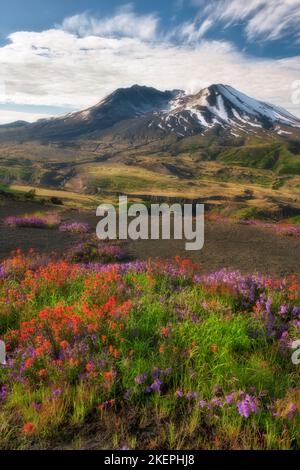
[147, 143]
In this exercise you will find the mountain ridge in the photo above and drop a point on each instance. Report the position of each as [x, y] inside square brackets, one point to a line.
[148, 113]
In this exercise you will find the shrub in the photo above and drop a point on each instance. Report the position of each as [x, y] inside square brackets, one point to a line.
[74, 227]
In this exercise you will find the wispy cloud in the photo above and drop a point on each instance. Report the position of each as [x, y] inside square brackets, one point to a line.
[265, 20]
[191, 32]
[124, 23]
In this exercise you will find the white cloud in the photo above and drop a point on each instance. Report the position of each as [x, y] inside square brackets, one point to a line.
[264, 19]
[60, 68]
[124, 23]
[7, 116]
[274, 21]
[192, 32]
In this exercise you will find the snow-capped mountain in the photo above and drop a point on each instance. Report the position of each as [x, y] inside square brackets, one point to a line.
[146, 113]
[224, 107]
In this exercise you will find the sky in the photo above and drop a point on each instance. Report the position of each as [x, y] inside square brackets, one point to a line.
[58, 56]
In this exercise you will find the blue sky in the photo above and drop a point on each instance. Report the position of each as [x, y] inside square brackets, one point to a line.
[61, 55]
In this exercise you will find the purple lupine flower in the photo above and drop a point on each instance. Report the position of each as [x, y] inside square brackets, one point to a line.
[56, 393]
[191, 396]
[296, 312]
[295, 323]
[247, 406]
[195, 318]
[74, 227]
[27, 221]
[3, 393]
[283, 310]
[268, 305]
[37, 406]
[124, 268]
[156, 372]
[113, 252]
[216, 401]
[140, 379]
[179, 393]
[246, 286]
[202, 403]
[3, 271]
[284, 340]
[230, 398]
[155, 387]
[243, 408]
[283, 229]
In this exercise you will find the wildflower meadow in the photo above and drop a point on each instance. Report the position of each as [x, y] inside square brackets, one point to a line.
[146, 355]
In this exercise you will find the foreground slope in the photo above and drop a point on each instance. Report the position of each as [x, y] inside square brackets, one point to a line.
[146, 356]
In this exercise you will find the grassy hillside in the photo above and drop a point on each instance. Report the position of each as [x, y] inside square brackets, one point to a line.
[275, 157]
[192, 169]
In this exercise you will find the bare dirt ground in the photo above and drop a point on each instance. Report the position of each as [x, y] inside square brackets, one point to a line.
[237, 247]
[42, 240]
[246, 248]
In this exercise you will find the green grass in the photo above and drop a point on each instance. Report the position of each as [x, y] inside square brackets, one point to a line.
[191, 169]
[275, 157]
[120, 183]
[200, 338]
[248, 213]
[294, 220]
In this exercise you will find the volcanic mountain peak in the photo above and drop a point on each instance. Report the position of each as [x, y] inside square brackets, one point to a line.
[230, 105]
[126, 103]
[224, 107]
[142, 112]
[139, 99]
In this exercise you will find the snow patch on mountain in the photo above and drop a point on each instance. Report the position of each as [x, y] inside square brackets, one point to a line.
[223, 106]
[257, 108]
